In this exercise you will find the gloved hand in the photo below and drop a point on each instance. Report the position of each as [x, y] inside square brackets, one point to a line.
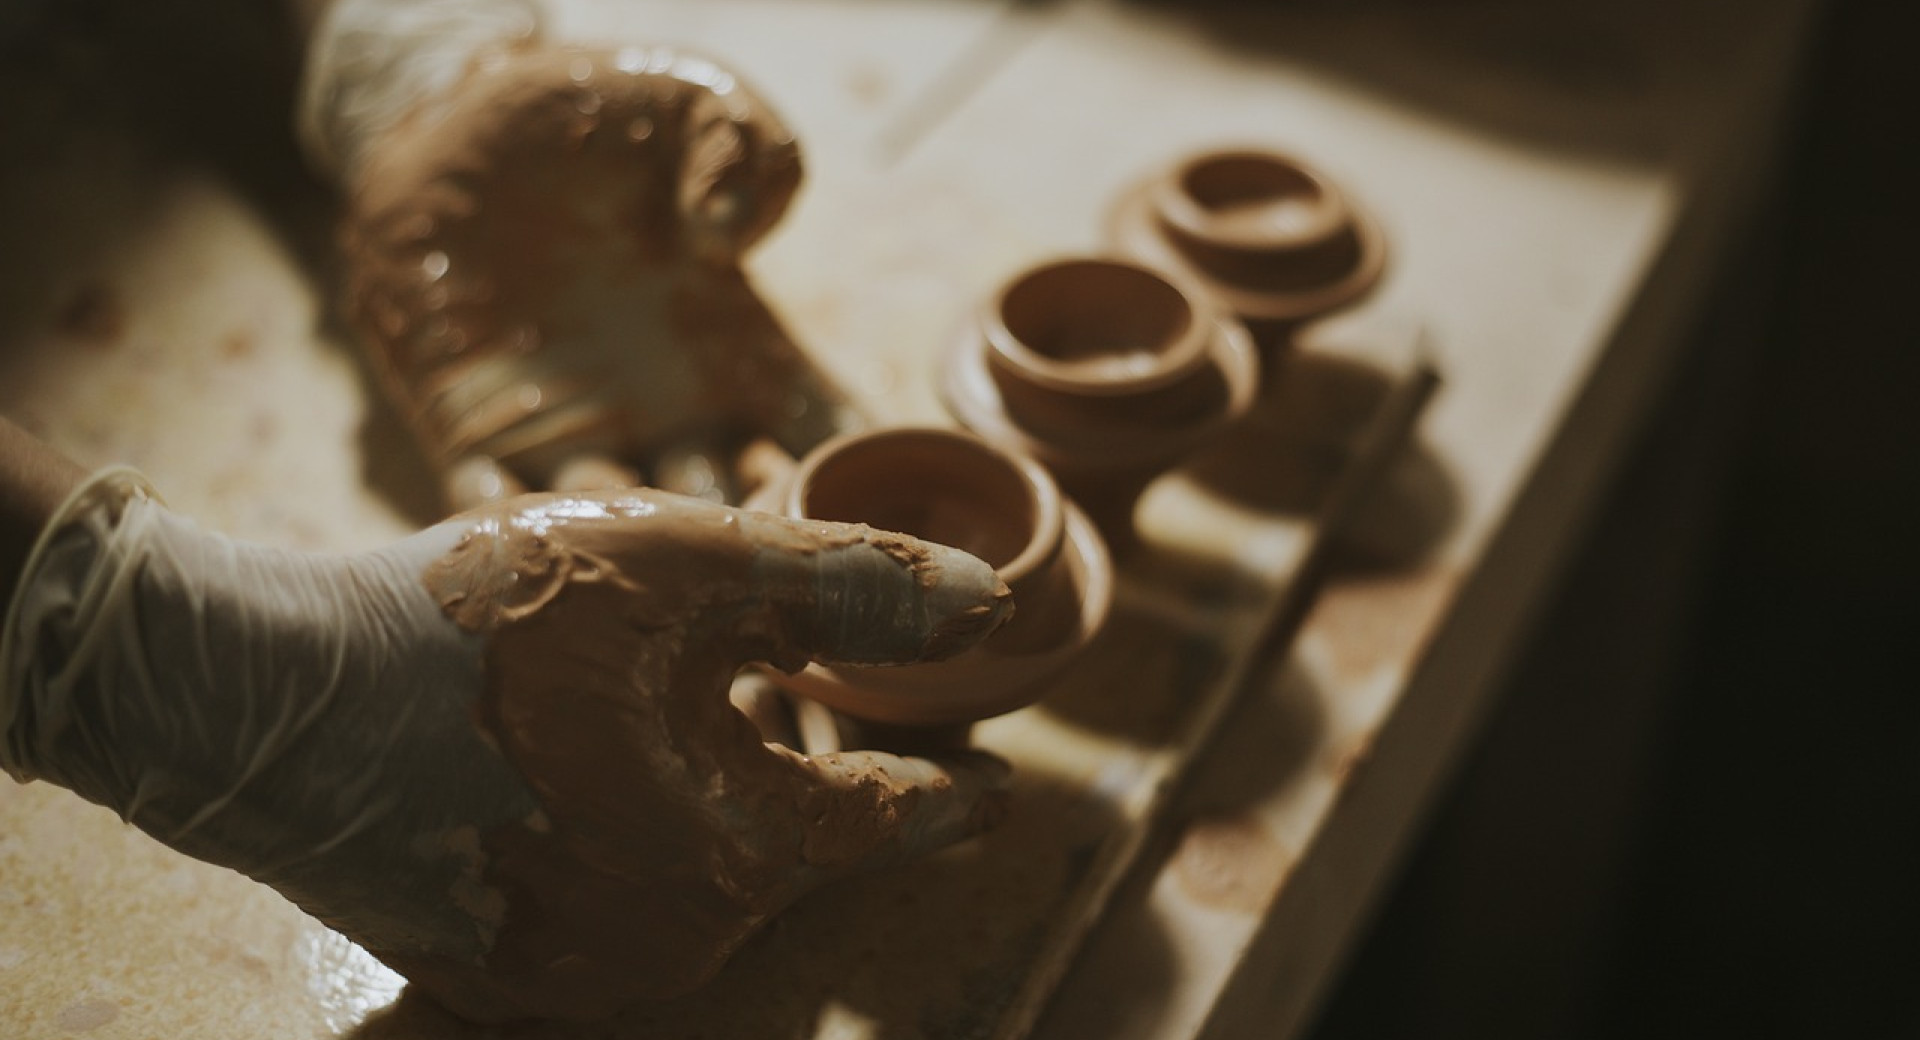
[499, 754]
[542, 249]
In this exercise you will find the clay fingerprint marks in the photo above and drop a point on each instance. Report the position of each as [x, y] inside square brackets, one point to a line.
[620, 748]
[549, 270]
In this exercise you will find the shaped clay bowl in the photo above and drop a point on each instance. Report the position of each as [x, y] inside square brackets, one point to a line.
[954, 488]
[1270, 238]
[1108, 372]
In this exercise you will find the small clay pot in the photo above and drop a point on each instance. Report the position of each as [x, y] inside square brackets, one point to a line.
[1267, 236]
[951, 487]
[1107, 371]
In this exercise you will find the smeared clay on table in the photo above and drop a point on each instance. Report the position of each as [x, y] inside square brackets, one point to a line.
[544, 262]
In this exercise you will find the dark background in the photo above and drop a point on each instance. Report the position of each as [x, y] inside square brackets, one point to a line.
[1697, 809]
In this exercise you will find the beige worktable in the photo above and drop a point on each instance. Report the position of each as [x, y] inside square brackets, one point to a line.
[1556, 187]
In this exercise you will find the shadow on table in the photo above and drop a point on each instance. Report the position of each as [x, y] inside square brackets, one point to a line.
[1598, 79]
[937, 948]
[1140, 682]
[1303, 434]
[1221, 859]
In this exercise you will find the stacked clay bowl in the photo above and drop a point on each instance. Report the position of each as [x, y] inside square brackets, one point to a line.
[1106, 371]
[1263, 234]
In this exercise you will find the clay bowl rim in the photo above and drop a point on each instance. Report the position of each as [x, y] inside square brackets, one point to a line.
[974, 685]
[970, 395]
[1134, 231]
[1171, 199]
[1188, 351]
[1045, 495]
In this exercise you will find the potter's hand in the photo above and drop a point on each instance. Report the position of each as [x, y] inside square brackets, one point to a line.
[547, 271]
[498, 754]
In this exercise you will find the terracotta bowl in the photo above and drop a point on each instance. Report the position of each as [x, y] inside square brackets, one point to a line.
[1265, 235]
[1108, 372]
[954, 488]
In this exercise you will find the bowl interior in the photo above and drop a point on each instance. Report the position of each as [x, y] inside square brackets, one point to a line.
[942, 487]
[1255, 195]
[1096, 321]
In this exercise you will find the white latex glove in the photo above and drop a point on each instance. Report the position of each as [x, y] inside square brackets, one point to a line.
[498, 754]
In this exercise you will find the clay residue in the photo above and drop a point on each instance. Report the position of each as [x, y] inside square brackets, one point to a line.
[911, 552]
[507, 567]
[470, 892]
[468, 586]
[670, 831]
[1232, 864]
[1364, 623]
[552, 267]
[962, 629]
[842, 828]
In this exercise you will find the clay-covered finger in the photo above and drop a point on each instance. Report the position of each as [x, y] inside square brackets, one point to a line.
[872, 809]
[849, 594]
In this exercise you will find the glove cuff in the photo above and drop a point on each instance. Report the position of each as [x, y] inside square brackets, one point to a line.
[67, 580]
[303, 718]
[370, 62]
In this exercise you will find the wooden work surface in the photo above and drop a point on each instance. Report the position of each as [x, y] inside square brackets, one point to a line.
[1555, 187]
